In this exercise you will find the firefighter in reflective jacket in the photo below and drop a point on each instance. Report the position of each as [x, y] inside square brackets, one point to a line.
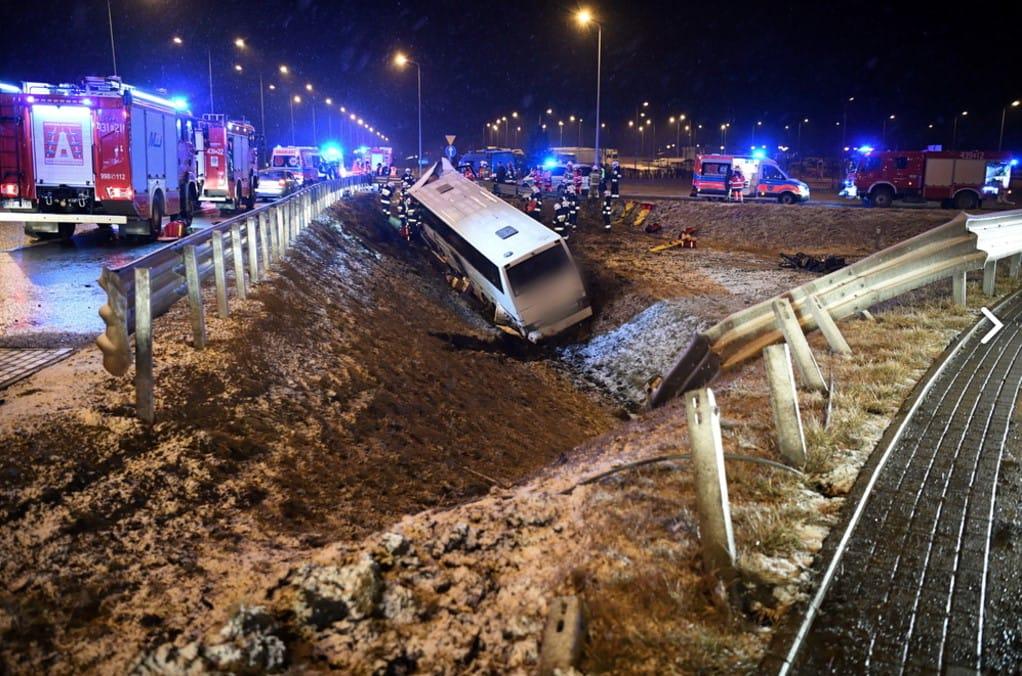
[386, 193]
[561, 209]
[534, 204]
[572, 196]
[407, 178]
[412, 213]
[607, 199]
[615, 180]
[402, 208]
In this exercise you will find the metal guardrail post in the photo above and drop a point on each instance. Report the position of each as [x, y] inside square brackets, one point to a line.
[282, 215]
[264, 241]
[828, 327]
[989, 278]
[715, 532]
[220, 274]
[195, 296]
[239, 262]
[791, 441]
[144, 384]
[958, 286]
[784, 315]
[113, 342]
[1015, 264]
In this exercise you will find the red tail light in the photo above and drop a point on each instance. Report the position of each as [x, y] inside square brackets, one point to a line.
[9, 189]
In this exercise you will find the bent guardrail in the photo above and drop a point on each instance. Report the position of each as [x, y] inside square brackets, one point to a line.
[951, 250]
[147, 287]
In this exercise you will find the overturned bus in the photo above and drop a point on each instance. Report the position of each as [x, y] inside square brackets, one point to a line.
[517, 267]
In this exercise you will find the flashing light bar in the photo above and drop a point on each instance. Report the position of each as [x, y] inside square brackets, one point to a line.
[151, 98]
[9, 88]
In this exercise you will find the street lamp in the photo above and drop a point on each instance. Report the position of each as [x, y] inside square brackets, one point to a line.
[292, 101]
[759, 123]
[560, 138]
[883, 132]
[844, 120]
[804, 120]
[400, 60]
[723, 136]
[1004, 113]
[954, 130]
[585, 17]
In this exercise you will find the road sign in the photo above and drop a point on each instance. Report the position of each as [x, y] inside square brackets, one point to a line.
[450, 139]
[998, 325]
[450, 152]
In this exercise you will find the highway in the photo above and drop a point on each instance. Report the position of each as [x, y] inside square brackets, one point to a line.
[48, 291]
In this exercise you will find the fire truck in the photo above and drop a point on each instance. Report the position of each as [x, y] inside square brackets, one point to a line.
[956, 179]
[96, 152]
[227, 161]
[366, 160]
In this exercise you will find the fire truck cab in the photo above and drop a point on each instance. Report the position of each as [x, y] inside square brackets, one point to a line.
[227, 161]
[764, 180]
[97, 152]
[956, 179]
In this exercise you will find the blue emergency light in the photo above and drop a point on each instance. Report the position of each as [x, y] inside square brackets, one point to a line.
[549, 163]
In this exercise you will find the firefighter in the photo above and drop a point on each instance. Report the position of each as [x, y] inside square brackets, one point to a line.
[561, 208]
[607, 199]
[602, 168]
[569, 194]
[386, 193]
[407, 178]
[615, 180]
[737, 185]
[402, 214]
[534, 204]
[413, 219]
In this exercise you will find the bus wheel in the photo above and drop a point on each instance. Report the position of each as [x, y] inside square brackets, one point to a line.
[786, 198]
[156, 219]
[966, 200]
[67, 231]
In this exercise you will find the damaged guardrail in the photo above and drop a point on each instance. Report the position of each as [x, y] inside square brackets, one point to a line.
[148, 287]
[951, 250]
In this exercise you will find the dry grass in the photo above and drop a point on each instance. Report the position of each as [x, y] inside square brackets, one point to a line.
[652, 608]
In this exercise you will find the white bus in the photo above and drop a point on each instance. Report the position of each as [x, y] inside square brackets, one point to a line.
[511, 261]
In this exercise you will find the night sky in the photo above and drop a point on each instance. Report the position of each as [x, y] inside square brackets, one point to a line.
[773, 62]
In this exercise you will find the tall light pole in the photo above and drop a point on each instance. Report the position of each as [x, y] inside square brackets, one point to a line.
[292, 100]
[585, 17]
[954, 130]
[759, 123]
[560, 138]
[400, 60]
[312, 97]
[1004, 113]
[883, 132]
[844, 122]
[110, 21]
[804, 120]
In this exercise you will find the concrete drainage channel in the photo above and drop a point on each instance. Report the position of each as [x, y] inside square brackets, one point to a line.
[17, 363]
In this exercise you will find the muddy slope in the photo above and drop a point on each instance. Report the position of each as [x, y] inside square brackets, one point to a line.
[321, 411]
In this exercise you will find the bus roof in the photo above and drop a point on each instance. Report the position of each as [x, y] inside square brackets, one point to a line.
[478, 215]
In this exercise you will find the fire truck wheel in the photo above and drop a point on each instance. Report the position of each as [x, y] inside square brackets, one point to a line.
[67, 231]
[966, 200]
[251, 200]
[881, 197]
[156, 220]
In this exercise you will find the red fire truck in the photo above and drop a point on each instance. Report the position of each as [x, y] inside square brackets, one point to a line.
[227, 161]
[958, 179]
[97, 152]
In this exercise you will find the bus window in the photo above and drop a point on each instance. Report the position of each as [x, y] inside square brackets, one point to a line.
[543, 265]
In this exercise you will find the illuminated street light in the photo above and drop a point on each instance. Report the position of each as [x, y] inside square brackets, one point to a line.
[237, 67]
[283, 70]
[177, 40]
[954, 129]
[308, 86]
[239, 43]
[1004, 114]
[272, 87]
[585, 17]
[883, 132]
[296, 98]
[401, 60]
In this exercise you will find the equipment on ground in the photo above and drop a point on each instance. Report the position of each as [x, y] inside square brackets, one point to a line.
[803, 261]
[685, 240]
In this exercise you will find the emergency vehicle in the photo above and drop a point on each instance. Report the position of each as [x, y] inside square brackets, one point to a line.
[96, 152]
[519, 268]
[365, 159]
[302, 161]
[764, 180]
[227, 162]
[956, 179]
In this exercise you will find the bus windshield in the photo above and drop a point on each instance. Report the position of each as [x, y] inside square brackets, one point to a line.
[524, 276]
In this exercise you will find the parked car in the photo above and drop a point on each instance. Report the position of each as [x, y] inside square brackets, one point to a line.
[275, 183]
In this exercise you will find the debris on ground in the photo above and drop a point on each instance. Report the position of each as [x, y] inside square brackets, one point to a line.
[819, 264]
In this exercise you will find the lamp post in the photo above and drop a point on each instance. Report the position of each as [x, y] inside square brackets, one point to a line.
[954, 130]
[844, 122]
[292, 100]
[560, 137]
[110, 21]
[723, 137]
[883, 132]
[1004, 113]
[804, 120]
[585, 17]
[759, 123]
[400, 60]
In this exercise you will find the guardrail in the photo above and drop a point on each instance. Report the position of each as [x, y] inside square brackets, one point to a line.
[147, 287]
[951, 250]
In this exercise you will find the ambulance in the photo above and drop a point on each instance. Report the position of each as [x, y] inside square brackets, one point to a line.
[764, 180]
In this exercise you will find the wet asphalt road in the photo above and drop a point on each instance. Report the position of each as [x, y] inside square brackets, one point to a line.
[48, 291]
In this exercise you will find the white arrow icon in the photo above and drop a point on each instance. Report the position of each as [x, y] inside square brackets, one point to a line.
[993, 320]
